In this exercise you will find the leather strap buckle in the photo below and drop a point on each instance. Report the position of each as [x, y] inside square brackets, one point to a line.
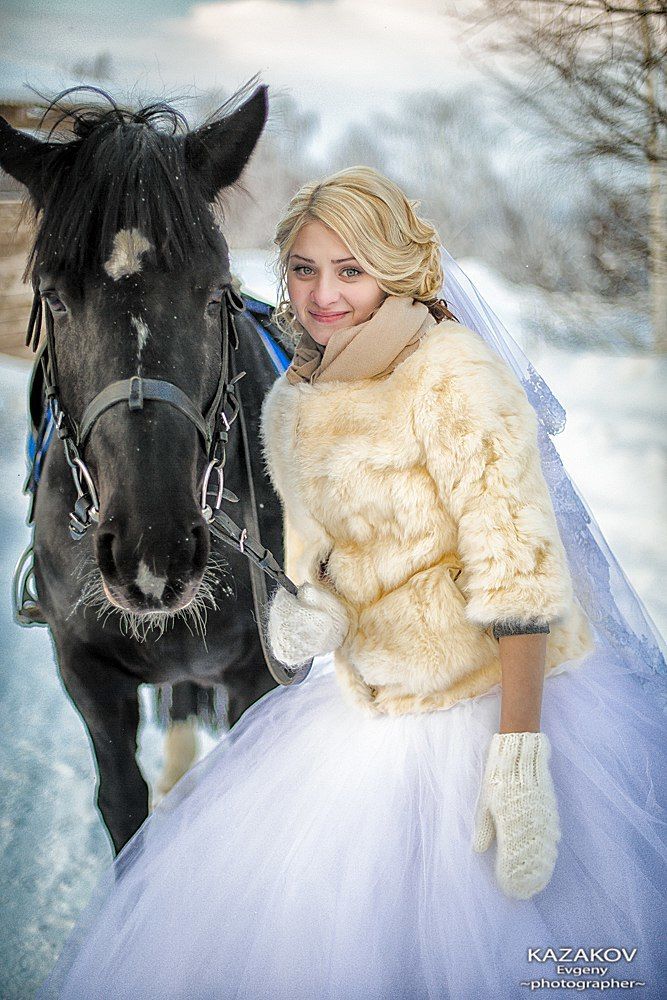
[135, 398]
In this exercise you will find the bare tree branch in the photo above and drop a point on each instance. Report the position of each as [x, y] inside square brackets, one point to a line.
[594, 73]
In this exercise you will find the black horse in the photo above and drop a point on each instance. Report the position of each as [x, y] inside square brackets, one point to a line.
[131, 263]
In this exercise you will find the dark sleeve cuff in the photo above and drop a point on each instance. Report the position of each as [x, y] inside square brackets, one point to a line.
[501, 629]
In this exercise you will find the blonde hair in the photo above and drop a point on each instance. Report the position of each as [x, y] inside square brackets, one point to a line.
[376, 222]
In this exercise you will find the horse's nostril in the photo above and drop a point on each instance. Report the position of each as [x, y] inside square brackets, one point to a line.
[160, 570]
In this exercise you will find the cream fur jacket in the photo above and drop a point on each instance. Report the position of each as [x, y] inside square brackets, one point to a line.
[418, 499]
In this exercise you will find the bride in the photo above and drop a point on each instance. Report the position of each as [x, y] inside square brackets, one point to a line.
[466, 796]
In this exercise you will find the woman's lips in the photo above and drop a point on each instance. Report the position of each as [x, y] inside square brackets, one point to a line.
[326, 317]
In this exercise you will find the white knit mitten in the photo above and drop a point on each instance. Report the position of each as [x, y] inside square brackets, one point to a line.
[517, 803]
[308, 624]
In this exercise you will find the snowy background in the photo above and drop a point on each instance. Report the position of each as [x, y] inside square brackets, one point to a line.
[555, 245]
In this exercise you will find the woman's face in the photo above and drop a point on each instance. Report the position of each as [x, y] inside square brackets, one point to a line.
[328, 289]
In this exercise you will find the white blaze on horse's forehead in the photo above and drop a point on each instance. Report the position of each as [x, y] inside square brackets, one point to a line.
[149, 583]
[125, 259]
[143, 333]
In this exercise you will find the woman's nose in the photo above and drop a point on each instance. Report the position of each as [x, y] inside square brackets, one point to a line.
[325, 293]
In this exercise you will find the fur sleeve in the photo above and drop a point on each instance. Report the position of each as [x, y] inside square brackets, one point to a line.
[479, 434]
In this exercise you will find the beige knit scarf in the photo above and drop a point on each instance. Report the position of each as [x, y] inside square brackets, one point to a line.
[368, 350]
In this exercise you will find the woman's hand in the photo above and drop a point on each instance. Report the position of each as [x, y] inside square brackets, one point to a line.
[517, 804]
[306, 625]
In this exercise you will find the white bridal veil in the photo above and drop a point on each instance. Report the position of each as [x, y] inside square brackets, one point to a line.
[614, 609]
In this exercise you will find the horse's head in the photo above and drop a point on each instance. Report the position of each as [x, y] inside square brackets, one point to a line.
[131, 264]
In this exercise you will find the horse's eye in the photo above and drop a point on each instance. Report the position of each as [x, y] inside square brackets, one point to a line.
[55, 304]
[213, 304]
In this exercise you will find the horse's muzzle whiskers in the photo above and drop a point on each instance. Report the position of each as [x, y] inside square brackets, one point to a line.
[141, 626]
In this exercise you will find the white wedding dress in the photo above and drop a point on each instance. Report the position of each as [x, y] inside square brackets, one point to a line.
[317, 854]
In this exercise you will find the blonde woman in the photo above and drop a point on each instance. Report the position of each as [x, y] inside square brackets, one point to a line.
[463, 797]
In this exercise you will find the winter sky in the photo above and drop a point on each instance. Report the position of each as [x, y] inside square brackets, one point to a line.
[343, 58]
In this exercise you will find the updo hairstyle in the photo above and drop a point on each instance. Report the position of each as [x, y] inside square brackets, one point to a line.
[376, 222]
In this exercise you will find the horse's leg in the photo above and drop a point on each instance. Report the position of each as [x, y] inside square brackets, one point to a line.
[246, 684]
[180, 742]
[106, 699]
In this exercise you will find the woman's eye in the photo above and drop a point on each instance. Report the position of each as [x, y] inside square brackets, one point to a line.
[355, 271]
[55, 304]
[302, 268]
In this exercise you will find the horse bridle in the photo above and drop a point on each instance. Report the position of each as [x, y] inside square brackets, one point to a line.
[213, 428]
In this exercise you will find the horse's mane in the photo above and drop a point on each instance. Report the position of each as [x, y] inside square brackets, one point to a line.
[118, 168]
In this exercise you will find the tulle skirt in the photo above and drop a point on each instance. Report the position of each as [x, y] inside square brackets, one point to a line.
[316, 854]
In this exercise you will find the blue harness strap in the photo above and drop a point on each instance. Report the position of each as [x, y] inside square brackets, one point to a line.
[259, 310]
[37, 445]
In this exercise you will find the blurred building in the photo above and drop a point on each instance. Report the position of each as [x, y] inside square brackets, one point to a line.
[15, 296]
[21, 108]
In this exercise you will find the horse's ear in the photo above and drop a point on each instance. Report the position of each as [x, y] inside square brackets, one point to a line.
[218, 152]
[25, 159]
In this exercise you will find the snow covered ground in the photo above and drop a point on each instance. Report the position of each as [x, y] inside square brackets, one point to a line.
[52, 844]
